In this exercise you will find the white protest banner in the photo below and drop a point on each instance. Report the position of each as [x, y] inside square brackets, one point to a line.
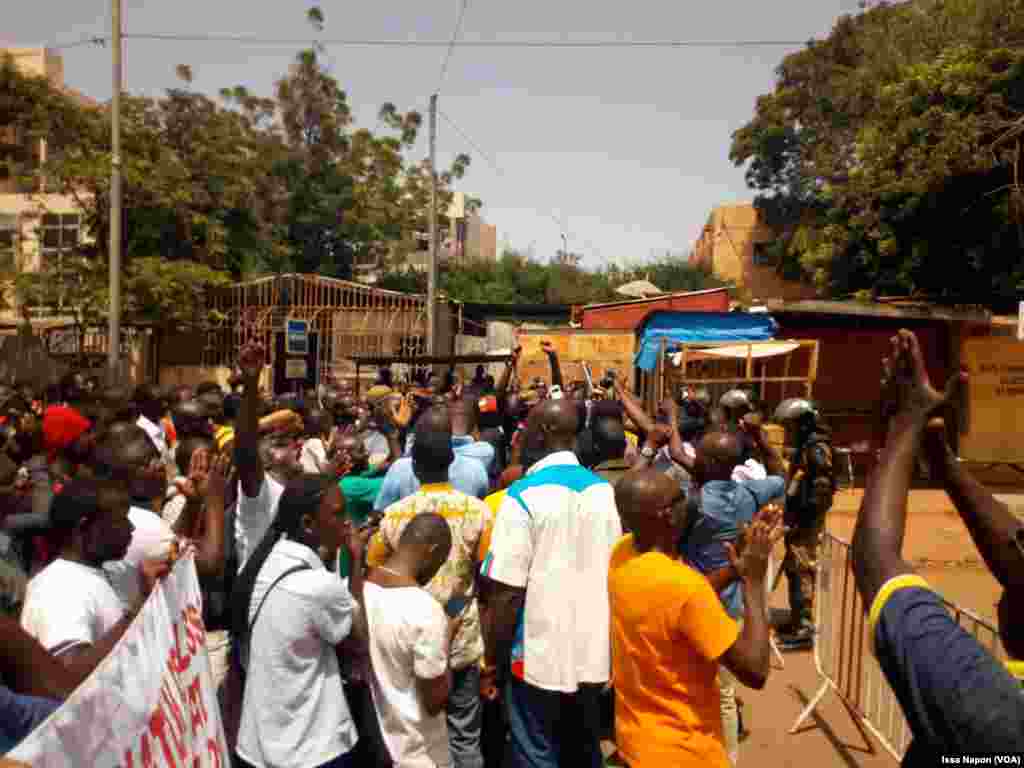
[150, 703]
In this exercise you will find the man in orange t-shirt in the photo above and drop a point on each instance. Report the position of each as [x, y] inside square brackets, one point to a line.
[670, 632]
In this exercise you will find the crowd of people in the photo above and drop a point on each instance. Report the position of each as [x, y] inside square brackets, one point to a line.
[476, 573]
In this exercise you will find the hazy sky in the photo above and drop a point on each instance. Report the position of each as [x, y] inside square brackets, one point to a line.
[627, 147]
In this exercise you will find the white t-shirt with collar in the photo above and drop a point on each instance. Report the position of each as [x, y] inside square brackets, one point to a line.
[408, 640]
[294, 714]
[69, 604]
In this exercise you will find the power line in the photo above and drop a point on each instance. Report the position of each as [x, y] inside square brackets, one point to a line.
[473, 144]
[493, 163]
[451, 45]
[454, 43]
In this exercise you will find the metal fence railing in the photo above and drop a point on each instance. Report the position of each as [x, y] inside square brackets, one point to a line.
[844, 655]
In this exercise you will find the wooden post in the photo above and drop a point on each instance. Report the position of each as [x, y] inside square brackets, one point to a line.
[812, 372]
[664, 374]
[783, 386]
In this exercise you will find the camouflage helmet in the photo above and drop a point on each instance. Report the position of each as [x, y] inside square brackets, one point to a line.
[735, 400]
[796, 409]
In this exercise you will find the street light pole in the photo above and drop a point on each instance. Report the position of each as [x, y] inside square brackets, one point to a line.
[114, 320]
[565, 248]
[432, 259]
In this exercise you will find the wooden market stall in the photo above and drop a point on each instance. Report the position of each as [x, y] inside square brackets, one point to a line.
[771, 370]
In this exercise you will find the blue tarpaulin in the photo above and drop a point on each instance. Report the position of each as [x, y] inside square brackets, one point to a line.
[699, 327]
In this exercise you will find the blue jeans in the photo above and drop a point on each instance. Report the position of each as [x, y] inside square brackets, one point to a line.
[549, 729]
[465, 717]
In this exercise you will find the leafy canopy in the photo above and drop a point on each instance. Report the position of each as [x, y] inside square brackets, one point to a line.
[887, 156]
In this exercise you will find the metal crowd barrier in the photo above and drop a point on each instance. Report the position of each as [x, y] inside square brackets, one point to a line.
[844, 653]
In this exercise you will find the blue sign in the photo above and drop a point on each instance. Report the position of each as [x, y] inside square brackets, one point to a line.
[296, 339]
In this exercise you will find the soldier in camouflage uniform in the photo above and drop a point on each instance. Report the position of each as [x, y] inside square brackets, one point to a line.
[809, 493]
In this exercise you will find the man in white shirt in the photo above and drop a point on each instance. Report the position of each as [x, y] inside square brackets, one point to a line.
[265, 465]
[548, 563]
[410, 637]
[71, 608]
[126, 459]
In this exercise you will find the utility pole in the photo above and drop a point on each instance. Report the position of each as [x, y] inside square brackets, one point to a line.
[432, 259]
[114, 320]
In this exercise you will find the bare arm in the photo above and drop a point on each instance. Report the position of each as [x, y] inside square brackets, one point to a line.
[881, 524]
[82, 660]
[723, 577]
[749, 658]
[992, 525]
[503, 606]
[435, 692]
[676, 449]
[29, 669]
[656, 440]
[247, 435]
[358, 641]
[556, 369]
[633, 408]
[772, 460]
[506, 376]
[210, 554]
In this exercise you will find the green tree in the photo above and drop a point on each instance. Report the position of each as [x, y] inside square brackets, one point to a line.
[517, 279]
[887, 153]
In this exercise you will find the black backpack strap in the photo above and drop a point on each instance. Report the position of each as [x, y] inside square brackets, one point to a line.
[273, 584]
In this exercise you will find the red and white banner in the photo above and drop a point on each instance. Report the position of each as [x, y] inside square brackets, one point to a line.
[151, 703]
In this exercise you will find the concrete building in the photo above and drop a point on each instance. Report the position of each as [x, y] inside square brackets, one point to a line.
[734, 245]
[465, 238]
[36, 226]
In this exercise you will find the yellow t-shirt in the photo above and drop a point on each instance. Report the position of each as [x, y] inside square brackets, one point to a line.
[494, 502]
[668, 631]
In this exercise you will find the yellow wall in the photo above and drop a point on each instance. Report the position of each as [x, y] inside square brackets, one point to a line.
[995, 400]
[40, 62]
[726, 246]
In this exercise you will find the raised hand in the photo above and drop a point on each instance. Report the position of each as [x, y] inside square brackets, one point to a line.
[547, 347]
[659, 437]
[906, 386]
[198, 475]
[759, 538]
[218, 470]
[252, 359]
